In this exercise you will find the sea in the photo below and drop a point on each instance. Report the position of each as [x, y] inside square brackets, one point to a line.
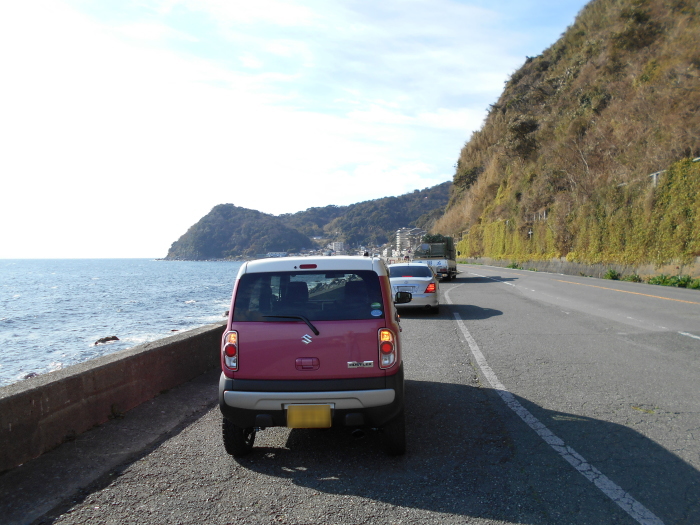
[53, 311]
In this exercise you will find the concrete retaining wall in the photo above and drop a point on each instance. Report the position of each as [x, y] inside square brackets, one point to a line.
[40, 413]
[593, 270]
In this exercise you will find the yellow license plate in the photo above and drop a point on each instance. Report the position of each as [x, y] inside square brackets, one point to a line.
[309, 416]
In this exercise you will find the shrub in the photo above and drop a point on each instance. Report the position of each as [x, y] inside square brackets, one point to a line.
[514, 266]
[640, 30]
[662, 280]
[632, 278]
[612, 274]
[695, 284]
[683, 281]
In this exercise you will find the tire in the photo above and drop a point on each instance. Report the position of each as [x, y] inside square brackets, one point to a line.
[237, 441]
[395, 435]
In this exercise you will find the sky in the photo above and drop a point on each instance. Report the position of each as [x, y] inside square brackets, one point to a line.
[123, 123]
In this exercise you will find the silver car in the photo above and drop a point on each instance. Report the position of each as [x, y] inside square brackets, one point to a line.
[418, 279]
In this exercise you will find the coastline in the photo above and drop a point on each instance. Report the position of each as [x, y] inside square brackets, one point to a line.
[84, 300]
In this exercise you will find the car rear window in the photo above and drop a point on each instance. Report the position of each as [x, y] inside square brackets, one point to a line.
[410, 271]
[318, 296]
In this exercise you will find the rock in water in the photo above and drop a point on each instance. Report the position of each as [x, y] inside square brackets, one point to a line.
[107, 339]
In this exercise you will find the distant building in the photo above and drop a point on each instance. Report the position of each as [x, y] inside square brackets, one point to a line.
[408, 238]
[276, 254]
[337, 246]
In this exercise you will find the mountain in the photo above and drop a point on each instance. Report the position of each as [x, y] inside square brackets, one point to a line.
[373, 222]
[562, 164]
[229, 231]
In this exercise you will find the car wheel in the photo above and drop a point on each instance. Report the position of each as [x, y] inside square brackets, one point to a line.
[395, 435]
[237, 441]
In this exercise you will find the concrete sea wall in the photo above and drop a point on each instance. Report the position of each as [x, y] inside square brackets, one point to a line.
[42, 412]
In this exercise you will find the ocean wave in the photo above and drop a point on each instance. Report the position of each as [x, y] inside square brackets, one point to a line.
[78, 301]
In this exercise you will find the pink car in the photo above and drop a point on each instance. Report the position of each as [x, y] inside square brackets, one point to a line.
[312, 342]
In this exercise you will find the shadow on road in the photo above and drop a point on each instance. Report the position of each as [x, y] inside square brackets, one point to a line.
[466, 311]
[473, 312]
[466, 458]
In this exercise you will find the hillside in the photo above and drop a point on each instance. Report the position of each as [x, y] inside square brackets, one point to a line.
[373, 222]
[229, 231]
[561, 165]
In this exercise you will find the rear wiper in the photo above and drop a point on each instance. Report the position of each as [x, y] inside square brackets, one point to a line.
[316, 332]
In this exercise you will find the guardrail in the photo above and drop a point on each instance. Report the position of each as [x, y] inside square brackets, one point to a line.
[653, 176]
[42, 412]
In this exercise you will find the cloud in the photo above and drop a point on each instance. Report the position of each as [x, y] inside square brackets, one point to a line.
[276, 12]
[153, 32]
[124, 123]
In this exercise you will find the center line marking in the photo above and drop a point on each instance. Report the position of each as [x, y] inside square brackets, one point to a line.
[617, 494]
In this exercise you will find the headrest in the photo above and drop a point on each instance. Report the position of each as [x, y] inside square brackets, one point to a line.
[297, 292]
[356, 290]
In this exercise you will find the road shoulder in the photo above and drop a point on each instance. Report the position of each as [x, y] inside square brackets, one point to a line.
[63, 474]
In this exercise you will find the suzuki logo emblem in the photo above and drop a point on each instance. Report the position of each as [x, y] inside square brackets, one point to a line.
[306, 339]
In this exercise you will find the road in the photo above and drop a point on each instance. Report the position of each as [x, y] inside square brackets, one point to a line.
[532, 398]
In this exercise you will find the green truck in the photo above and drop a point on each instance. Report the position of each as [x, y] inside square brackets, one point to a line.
[440, 256]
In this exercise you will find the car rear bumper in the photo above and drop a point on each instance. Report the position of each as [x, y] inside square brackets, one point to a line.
[250, 404]
[355, 399]
[421, 301]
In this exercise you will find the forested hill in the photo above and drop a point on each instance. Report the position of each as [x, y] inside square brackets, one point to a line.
[373, 222]
[229, 231]
[561, 165]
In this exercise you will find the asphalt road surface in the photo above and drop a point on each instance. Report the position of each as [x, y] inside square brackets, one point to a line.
[531, 398]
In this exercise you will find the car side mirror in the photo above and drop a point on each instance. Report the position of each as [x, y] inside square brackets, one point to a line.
[403, 297]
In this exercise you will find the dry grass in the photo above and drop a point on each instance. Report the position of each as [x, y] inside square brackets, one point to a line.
[616, 98]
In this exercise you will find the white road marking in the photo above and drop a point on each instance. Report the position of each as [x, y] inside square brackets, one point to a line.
[689, 335]
[623, 499]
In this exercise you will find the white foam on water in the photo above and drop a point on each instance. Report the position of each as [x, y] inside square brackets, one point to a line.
[136, 301]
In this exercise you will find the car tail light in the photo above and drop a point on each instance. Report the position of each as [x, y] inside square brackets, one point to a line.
[387, 348]
[229, 349]
[430, 288]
